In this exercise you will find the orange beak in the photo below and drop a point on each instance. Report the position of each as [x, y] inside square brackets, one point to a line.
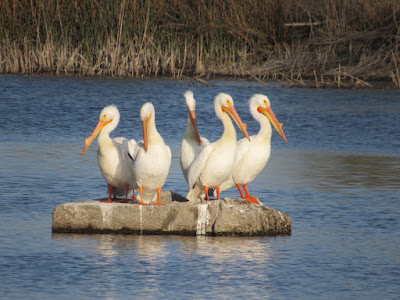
[193, 118]
[146, 134]
[100, 125]
[235, 116]
[272, 118]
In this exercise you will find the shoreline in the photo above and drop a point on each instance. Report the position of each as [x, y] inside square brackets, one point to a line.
[351, 44]
[201, 81]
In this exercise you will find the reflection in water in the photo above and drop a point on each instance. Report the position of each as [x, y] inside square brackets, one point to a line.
[330, 171]
[154, 248]
[179, 263]
[354, 171]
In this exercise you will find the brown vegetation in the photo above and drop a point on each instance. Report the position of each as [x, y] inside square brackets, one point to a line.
[326, 42]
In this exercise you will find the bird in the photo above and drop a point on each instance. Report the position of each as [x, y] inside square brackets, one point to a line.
[152, 157]
[192, 142]
[253, 156]
[216, 161]
[114, 156]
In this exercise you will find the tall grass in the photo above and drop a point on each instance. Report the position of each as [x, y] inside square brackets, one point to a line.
[287, 40]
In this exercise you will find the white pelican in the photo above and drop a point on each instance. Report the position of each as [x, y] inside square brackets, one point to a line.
[153, 157]
[114, 155]
[216, 161]
[253, 156]
[192, 142]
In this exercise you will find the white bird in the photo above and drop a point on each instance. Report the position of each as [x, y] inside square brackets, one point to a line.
[114, 156]
[153, 157]
[216, 161]
[253, 156]
[192, 142]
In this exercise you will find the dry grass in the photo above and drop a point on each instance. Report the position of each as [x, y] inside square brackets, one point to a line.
[335, 43]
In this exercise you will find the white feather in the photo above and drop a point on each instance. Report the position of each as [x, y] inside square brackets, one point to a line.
[252, 156]
[151, 167]
[190, 147]
[113, 155]
[216, 161]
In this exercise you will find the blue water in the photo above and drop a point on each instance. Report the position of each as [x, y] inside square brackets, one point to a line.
[338, 177]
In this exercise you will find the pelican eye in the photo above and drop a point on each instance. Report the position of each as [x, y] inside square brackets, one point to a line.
[229, 103]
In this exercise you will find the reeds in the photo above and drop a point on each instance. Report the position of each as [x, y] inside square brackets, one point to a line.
[297, 41]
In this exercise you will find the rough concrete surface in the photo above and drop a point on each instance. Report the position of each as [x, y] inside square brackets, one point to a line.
[218, 217]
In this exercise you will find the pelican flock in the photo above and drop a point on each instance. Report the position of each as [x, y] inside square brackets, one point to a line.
[114, 156]
[127, 165]
[252, 156]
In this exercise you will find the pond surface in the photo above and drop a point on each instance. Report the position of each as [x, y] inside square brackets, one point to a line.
[338, 177]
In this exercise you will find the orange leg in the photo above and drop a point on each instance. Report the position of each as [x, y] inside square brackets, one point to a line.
[249, 198]
[141, 196]
[159, 197]
[110, 191]
[126, 195]
[133, 198]
[206, 190]
[218, 193]
[127, 191]
[240, 191]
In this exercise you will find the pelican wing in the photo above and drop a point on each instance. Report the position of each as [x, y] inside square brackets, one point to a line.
[198, 164]
[241, 150]
[119, 140]
[138, 145]
[126, 146]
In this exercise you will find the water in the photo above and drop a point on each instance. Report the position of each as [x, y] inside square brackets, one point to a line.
[337, 177]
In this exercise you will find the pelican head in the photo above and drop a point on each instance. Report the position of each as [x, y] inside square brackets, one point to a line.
[147, 113]
[223, 103]
[191, 106]
[190, 102]
[260, 104]
[109, 118]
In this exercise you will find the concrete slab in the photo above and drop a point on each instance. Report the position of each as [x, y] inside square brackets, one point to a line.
[227, 216]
